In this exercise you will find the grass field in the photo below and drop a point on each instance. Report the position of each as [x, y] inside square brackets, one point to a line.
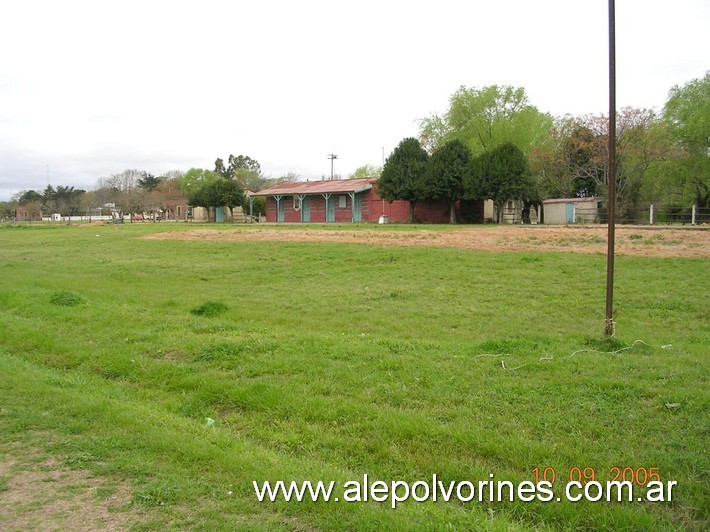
[328, 361]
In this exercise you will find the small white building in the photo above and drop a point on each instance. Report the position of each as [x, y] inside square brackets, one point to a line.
[564, 211]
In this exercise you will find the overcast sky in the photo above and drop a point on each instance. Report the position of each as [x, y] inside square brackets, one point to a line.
[89, 89]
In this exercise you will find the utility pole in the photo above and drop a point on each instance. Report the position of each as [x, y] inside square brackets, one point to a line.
[332, 157]
[609, 326]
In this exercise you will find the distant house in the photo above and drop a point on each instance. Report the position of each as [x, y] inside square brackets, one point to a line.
[168, 201]
[29, 212]
[347, 201]
[572, 210]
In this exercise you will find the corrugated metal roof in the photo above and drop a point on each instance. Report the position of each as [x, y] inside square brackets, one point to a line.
[339, 186]
[572, 200]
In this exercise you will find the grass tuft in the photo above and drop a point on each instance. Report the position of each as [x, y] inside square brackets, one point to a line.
[209, 309]
[65, 298]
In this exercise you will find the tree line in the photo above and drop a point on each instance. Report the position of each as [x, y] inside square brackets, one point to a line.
[492, 143]
[135, 191]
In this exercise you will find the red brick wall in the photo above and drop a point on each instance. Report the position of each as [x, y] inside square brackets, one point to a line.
[432, 212]
[371, 208]
[317, 206]
[425, 211]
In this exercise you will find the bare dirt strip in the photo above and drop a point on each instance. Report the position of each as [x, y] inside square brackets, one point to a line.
[630, 240]
[39, 493]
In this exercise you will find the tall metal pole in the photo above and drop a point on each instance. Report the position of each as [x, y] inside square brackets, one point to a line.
[609, 326]
[332, 157]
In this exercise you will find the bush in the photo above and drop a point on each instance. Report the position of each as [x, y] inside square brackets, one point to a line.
[65, 299]
[209, 309]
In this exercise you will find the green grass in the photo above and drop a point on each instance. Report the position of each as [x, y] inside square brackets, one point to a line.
[328, 361]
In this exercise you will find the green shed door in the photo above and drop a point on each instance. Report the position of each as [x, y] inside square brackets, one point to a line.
[330, 209]
[570, 213]
[305, 210]
[219, 215]
[357, 208]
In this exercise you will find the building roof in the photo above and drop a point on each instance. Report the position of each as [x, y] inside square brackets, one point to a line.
[573, 200]
[338, 186]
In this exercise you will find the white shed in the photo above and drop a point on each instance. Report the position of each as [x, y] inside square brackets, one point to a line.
[572, 210]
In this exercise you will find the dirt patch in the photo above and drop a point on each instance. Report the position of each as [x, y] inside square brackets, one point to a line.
[643, 241]
[40, 494]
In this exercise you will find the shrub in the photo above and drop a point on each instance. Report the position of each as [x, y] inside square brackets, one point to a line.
[209, 309]
[65, 299]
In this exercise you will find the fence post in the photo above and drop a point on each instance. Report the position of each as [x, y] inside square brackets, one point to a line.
[693, 219]
[651, 214]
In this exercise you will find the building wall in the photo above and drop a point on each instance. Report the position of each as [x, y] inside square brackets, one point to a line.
[371, 208]
[29, 212]
[555, 213]
[425, 211]
[317, 208]
[174, 209]
[586, 211]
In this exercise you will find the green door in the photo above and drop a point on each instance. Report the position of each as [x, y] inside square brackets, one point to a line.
[357, 208]
[570, 213]
[329, 209]
[305, 210]
[219, 215]
[280, 211]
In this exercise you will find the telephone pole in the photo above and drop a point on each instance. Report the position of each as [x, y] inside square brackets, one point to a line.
[609, 325]
[332, 157]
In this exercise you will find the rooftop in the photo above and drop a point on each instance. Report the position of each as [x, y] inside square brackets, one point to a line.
[573, 200]
[336, 186]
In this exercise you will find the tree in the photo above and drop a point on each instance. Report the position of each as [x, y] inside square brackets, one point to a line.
[500, 174]
[217, 193]
[244, 162]
[367, 170]
[7, 210]
[124, 181]
[641, 142]
[220, 169]
[194, 179]
[403, 173]
[574, 161]
[243, 169]
[49, 200]
[148, 182]
[445, 173]
[29, 196]
[68, 200]
[564, 165]
[485, 118]
[687, 115]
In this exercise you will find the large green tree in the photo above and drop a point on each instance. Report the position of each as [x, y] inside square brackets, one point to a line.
[565, 164]
[403, 174]
[195, 178]
[367, 170]
[500, 174]
[485, 118]
[244, 169]
[217, 193]
[148, 182]
[574, 161]
[446, 171]
[687, 115]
